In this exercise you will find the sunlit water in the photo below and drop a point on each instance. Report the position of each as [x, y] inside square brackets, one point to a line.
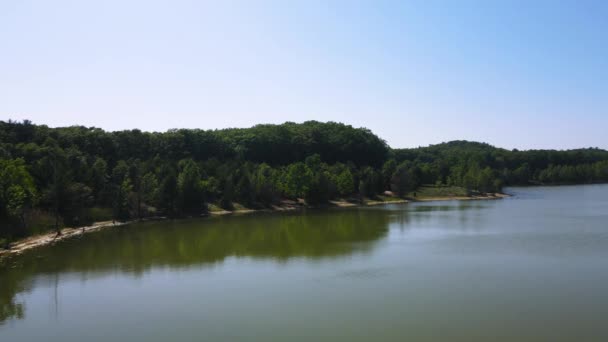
[533, 267]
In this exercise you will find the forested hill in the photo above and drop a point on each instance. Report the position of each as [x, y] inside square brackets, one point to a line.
[511, 167]
[53, 177]
[271, 144]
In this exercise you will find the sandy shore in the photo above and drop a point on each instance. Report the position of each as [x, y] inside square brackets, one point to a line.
[460, 198]
[50, 238]
[66, 233]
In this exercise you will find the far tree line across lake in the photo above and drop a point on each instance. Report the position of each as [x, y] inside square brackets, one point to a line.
[71, 176]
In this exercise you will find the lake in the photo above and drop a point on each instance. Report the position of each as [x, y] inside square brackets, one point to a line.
[533, 267]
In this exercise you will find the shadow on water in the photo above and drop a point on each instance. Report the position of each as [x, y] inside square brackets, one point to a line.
[135, 249]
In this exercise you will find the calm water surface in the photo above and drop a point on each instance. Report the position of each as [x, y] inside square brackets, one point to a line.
[533, 267]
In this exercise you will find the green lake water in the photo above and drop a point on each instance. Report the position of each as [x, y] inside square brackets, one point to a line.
[533, 267]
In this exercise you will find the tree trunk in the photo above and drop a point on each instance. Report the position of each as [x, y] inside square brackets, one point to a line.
[57, 229]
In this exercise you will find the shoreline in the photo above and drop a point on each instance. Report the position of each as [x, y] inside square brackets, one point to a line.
[36, 241]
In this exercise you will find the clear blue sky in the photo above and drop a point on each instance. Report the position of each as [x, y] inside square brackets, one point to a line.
[516, 74]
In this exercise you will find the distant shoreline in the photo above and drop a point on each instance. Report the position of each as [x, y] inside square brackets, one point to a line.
[50, 238]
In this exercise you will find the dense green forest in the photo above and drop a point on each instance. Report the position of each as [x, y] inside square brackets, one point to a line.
[71, 176]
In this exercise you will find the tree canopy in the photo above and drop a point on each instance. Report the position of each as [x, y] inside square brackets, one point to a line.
[70, 176]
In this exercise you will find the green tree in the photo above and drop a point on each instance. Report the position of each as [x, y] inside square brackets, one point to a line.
[121, 201]
[388, 170]
[121, 190]
[404, 179]
[56, 196]
[78, 197]
[17, 195]
[265, 184]
[190, 188]
[228, 194]
[345, 183]
[319, 190]
[298, 178]
[485, 181]
[98, 180]
[150, 189]
[168, 193]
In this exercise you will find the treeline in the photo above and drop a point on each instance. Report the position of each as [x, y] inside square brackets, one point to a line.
[55, 177]
[453, 163]
[71, 176]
